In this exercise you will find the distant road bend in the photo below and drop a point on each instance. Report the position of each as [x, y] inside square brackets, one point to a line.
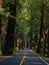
[24, 57]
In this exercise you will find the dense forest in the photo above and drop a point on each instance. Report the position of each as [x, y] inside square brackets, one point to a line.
[24, 24]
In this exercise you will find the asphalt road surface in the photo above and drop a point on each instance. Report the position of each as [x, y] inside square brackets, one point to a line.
[24, 57]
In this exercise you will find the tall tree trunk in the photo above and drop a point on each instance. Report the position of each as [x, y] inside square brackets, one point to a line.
[0, 23]
[48, 44]
[31, 33]
[0, 31]
[41, 38]
[46, 38]
[35, 41]
[47, 15]
[9, 40]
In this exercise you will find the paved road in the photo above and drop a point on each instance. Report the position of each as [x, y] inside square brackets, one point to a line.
[24, 57]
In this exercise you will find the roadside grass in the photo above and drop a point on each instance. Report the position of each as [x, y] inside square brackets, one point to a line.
[46, 58]
[14, 52]
[3, 57]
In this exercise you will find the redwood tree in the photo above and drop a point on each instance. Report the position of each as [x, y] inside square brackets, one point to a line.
[41, 38]
[0, 22]
[9, 40]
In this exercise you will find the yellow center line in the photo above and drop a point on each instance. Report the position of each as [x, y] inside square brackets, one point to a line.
[23, 59]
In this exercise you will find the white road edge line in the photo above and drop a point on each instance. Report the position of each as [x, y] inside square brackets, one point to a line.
[41, 59]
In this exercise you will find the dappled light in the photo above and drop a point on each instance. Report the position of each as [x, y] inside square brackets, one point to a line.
[24, 32]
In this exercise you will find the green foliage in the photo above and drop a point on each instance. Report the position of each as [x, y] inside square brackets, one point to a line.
[27, 12]
[8, 1]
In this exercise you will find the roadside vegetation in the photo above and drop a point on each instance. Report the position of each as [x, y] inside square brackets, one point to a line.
[24, 24]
